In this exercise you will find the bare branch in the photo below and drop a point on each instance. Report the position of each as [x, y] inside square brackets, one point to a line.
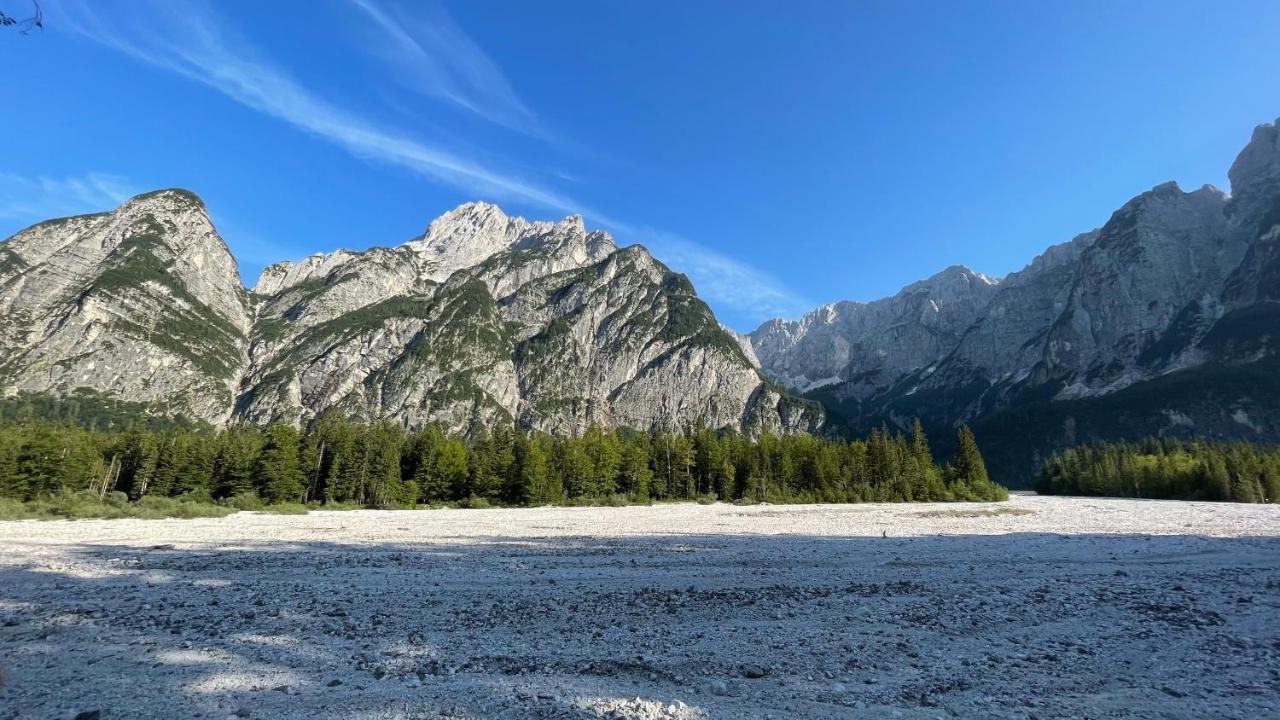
[25, 26]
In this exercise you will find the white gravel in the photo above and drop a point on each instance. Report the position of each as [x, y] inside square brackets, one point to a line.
[1035, 608]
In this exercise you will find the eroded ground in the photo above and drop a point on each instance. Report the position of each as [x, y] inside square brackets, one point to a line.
[1036, 608]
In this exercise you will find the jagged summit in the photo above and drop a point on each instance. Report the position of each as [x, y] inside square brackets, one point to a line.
[1164, 244]
[953, 275]
[472, 231]
[1171, 305]
[179, 195]
[483, 319]
[853, 339]
[1259, 161]
[458, 239]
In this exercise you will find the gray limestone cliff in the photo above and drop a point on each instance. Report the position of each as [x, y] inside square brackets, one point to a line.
[145, 302]
[483, 318]
[1125, 330]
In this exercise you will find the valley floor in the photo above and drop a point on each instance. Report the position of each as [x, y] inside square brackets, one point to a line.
[1041, 607]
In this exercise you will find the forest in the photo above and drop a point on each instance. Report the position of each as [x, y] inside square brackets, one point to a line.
[336, 462]
[1165, 469]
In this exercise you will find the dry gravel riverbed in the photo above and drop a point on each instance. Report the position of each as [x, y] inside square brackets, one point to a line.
[1035, 608]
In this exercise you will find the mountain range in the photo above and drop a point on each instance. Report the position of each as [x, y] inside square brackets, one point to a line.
[483, 318]
[1163, 321]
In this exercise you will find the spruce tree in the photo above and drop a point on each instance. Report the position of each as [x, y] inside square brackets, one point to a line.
[449, 480]
[535, 481]
[968, 464]
[276, 470]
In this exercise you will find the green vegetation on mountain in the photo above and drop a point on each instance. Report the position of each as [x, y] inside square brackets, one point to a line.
[92, 410]
[10, 263]
[186, 195]
[142, 266]
[315, 341]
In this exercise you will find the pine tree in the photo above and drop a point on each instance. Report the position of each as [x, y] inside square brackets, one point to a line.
[450, 477]
[1217, 482]
[635, 471]
[536, 486]
[38, 462]
[419, 465]
[377, 465]
[276, 471]
[605, 455]
[968, 464]
[12, 485]
[233, 463]
[382, 485]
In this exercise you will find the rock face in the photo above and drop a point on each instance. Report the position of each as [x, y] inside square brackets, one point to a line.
[865, 346]
[1124, 331]
[484, 318]
[144, 302]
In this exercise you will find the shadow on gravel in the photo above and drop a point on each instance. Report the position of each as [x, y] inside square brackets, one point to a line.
[1017, 626]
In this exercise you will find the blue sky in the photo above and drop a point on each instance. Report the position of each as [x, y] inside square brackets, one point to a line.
[782, 155]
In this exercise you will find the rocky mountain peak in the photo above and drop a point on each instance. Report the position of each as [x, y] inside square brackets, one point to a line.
[952, 280]
[484, 318]
[573, 224]
[1170, 305]
[284, 274]
[1257, 167]
[878, 341]
[1065, 254]
[171, 198]
[143, 302]
[468, 234]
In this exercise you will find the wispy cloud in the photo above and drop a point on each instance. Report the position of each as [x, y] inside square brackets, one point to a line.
[42, 198]
[189, 39]
[752, 294]
[435, 57]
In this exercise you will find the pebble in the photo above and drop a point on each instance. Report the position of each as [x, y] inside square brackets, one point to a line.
[936, 633]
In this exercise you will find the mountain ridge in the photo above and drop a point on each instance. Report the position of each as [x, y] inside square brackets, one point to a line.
[482, 318]
[1174, 281]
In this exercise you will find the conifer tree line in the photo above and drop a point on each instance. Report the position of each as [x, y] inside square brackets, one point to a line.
[1166, 469]
[383, 465]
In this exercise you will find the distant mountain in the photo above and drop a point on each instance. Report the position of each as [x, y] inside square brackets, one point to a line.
[1166, 320]
[484, 318]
